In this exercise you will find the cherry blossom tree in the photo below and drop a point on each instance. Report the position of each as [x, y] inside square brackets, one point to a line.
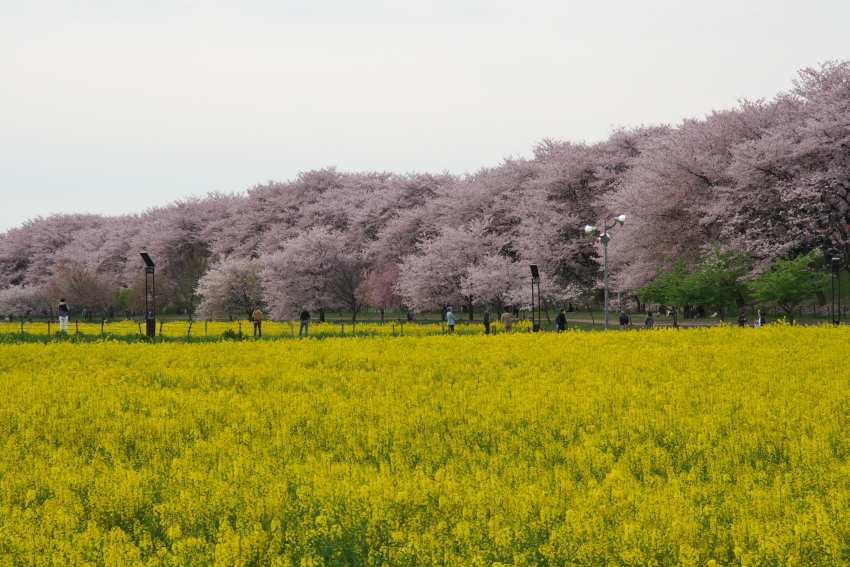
[493, 280]
[793, 179]
[770, 176]
[24, 300]
[317, 269]
[433, 277]
[231, 286]
[378, 288]
[83, 288]
[28, 254]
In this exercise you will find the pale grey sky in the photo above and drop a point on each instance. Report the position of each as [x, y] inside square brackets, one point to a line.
[112, 107]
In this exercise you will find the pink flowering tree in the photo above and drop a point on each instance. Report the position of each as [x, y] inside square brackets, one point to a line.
[378, 288]
[231, 286]
[317, 269]
[433, 277]
[24, 300]
[493, 280]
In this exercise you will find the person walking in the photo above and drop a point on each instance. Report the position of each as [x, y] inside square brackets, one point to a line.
[508, 321]
[257, 316]
[305, 321]
[742, 319]
[649, 322]
[760, 320]
[450, 320]
[625, 321]
[561, 320]
[64, 313]
[487, 321]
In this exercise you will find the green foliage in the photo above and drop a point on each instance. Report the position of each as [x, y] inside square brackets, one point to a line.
[714, 282]
[790, 282]
[670, 287]
[231, 335]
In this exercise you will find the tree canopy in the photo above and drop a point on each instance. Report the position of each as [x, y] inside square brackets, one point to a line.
[770, 177]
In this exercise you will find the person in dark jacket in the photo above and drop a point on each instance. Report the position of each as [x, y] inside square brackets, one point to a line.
[64, 313]
[305, 321]
[487, 321]
[561, 320]
[625, 321]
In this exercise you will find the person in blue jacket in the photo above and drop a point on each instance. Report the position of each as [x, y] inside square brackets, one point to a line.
[450, 319]
[561, 320]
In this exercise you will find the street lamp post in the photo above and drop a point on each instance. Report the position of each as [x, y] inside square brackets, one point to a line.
[836, 277]
[535, 279]
[150, 315]
[605, 238]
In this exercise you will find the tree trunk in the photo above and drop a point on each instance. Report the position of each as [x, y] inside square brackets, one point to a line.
[321, 314]
[469, 306]
[589, 310]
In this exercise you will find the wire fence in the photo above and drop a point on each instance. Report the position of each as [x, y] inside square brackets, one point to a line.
[242, 329]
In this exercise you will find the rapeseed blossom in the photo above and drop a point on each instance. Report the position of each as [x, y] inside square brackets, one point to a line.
[720, 446]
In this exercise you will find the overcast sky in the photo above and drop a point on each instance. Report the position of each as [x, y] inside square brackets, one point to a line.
[112, 107]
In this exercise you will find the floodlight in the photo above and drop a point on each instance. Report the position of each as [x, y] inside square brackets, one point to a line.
[147, 259]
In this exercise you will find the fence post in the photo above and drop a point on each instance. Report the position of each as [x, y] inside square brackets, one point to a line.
[189, 332]
[48, 326]
[102, 322]
[206, 328]
[77, 326]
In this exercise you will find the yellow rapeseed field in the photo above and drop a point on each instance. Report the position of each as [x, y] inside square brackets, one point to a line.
[721, 446]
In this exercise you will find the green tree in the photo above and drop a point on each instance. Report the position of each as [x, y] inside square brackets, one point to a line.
[790, 282]
[670, 287]
[716, 281]
[713, 282]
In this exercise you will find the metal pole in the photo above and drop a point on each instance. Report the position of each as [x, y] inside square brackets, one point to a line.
[838, 313]
[146, 294]
[153, 297]
[834, 314]
[605, 248]
[539, 308]
[532, 305]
